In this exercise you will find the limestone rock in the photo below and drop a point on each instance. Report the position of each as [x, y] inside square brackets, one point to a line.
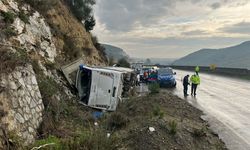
[13, 5]
[3, 7]
[18, 25]
[38, 32]
[12, 85]
[19, 118]
[25, 107]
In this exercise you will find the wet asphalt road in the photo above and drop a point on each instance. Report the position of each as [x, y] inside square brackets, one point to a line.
[226, 104]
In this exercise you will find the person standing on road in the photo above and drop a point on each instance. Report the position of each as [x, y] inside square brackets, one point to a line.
[195, 80]
[138, 80]
[185, 85]
[197, 69]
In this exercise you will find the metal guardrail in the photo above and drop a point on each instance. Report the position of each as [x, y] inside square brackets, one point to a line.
[217, 70]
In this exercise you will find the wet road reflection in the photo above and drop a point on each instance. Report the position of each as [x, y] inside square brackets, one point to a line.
[226, 104]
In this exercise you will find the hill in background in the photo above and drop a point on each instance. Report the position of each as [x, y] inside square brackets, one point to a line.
[115, 52]
[231, 57]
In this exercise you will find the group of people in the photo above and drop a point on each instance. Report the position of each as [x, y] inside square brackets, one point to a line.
[148, 75]
[195, 81]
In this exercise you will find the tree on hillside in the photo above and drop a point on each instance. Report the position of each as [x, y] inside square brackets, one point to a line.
[82, 9]
[89, 23]
[123, 63]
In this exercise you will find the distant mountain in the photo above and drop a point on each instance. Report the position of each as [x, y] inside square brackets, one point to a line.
[115, 52]
[232, 57]
[161, 61]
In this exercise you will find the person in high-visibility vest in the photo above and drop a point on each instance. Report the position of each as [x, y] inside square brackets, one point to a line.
[195, 80]
[197, 69]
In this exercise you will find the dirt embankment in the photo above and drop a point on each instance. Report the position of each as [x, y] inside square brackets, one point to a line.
[177, 126]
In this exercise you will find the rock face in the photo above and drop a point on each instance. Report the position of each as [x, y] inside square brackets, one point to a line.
[19, 94]
[33, 40]
[36, 33]
[60, 19]
[23, 102]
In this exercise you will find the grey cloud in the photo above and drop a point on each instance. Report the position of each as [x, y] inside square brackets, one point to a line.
[124, 15]
[242, 28]
[194, 33]
[216, 5]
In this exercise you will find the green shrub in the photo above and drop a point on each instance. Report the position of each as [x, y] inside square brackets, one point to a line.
[50, 65]
[173, 127]
[52, 142]
[36, 67]
[81, 9]
[9, 32]
[9, 60]
[89, 23]
[90, 140]
[23, 17]
[14, 141]
[158, 112]
[9, 17]
[48, 87]
[117, 121]
[154, 88]
[199, 132]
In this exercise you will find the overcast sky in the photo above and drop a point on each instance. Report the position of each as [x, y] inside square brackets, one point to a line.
[171, 28]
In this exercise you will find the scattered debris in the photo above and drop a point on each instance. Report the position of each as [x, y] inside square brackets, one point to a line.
[151, 129]
[108, 135]
[97, 114]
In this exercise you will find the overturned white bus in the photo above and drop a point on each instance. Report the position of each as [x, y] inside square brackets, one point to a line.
[98, 87]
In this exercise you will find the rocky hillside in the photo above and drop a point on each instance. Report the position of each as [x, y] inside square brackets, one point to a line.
[114, 52]
[231, 57]
[35, 40]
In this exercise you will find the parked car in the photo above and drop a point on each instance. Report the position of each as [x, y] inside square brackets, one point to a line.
[166, 77]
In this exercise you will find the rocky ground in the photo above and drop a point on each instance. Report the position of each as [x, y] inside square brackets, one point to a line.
[173, 122]
[177, 124]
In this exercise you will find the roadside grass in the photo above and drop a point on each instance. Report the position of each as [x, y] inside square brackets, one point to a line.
[154, 88]
[51, 142]
[173, 127]
[199, 132]
[116, 121]
[158, 112]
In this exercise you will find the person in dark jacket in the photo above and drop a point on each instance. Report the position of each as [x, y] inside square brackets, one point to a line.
[185, 85]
